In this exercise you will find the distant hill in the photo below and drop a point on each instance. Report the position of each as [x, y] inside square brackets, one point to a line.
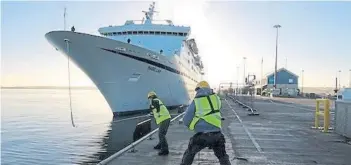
[49, 87]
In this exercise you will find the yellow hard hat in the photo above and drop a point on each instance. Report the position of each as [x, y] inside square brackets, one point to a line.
[152, 93]
[202, 84]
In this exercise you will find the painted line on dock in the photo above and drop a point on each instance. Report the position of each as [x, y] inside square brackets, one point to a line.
[246, 130]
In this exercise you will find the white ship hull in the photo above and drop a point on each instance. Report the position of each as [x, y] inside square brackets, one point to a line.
[115, 72]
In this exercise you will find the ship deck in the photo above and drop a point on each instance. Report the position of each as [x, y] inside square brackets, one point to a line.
[280, 134]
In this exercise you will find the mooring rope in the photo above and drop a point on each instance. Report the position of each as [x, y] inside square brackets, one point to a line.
[69, 83]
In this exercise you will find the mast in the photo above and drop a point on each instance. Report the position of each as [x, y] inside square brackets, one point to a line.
[64, 19]
[150, 14]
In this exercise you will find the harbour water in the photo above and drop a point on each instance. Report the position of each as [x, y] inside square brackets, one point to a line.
[36, 127]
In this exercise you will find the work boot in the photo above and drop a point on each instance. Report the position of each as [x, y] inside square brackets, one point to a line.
[157, 147]
[164, 152]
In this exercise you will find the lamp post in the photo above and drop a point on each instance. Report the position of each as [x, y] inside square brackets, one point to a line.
[237, 79]
[261, 76]
[276, 56]
[302, 81]
[244, 69]
[339, 79]
[350, 79]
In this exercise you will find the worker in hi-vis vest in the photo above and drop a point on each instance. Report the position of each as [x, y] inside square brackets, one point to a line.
[204, 118]
[162, 118]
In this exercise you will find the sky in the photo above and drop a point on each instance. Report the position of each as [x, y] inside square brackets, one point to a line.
[315, 36]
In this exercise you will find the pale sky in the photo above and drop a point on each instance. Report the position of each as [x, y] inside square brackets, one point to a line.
[315, 36]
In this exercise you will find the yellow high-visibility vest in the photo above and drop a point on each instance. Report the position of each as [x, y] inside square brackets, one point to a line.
[204, 110]
[163, 114]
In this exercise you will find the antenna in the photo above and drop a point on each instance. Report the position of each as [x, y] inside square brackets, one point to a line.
[150, 13]
[64, 19]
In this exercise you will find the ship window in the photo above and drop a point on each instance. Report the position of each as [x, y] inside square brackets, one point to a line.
[114, 33]
[146, 32]
[181, 34]
[119, 33]
[140, 32]
[124, 32]
[129, 32]
[163, 33]
[185, 34]
[134, 32]
[169, 33]
[110, 34]
[188, 62]
[157, 33]
[152, 32]
[175, 33]
[188, 53]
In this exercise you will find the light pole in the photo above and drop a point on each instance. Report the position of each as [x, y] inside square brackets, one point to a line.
[339, 79]
[244, 69]
[350, 79]
[276, 56]
[237, 79]
[302, 81]
[261, 76]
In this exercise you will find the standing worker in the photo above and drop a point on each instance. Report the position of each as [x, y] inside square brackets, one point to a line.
[203, 116]
[163, 119]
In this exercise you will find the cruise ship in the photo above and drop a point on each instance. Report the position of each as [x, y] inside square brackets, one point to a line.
[126, 62]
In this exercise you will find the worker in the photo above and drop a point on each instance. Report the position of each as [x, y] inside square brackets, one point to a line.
[162, 118]
[73, 29]
[203, 116]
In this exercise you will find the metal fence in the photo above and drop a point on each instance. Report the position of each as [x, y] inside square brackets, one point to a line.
[243, 95]
[342, 117]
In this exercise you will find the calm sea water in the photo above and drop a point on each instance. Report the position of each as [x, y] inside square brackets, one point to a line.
[36, 127]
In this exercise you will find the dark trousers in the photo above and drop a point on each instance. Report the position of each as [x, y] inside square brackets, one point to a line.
[213, 140]
[163, 128]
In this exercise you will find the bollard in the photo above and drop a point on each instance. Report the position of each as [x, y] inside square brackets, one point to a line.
[325, 114]
[316, 115]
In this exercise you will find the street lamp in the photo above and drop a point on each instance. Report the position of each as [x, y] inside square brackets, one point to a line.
[339, 78]
[237, 79]
[244, 69]
[261, 76]
[276, 56]
[302, 81]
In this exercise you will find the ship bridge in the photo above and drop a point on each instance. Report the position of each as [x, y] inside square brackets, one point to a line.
[150, 34]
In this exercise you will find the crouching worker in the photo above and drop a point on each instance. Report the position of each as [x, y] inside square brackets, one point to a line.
[203, 116]
[162, 118]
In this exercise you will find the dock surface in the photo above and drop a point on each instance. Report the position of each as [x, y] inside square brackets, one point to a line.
[281, 134]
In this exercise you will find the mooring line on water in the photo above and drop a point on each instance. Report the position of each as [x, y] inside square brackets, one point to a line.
[69, 83]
